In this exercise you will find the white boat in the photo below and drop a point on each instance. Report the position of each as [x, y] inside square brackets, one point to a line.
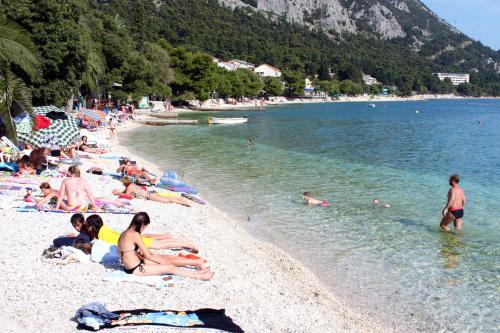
[371, 105]
[213, 120]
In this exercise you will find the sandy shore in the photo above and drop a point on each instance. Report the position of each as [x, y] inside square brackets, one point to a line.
[262, 288]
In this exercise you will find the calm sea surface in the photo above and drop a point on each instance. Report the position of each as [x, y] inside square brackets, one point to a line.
[392, 263]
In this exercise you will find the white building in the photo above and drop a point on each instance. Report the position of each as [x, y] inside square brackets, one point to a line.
[267, 71]
[369, 80]
[456, 78]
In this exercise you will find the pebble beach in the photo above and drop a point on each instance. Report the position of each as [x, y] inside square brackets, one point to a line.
[262, 288]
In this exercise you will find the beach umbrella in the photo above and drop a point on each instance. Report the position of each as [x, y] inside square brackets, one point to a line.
[92, 114]
[61, 132]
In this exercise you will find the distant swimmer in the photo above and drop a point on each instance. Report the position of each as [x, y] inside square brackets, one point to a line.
[417, 112]
[454, 209]
[250, 142]
[310, 201]
[376, 202]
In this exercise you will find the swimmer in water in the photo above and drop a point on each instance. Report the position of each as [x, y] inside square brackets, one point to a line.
[250, 142]
[310, 201]
[376, 202]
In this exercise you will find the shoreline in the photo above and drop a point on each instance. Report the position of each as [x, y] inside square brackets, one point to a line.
[282, 260]
[215, 105]
[254, 281]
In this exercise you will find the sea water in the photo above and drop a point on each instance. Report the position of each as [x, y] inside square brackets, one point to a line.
[391, 263]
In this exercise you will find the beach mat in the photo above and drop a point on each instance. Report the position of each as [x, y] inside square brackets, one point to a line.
[33, 209]
[4, 187]
[202, 318]
[159, 282]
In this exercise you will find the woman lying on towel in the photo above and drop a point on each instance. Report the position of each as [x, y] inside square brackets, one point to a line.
[138, 192]
[131, 170]
[137, 259]
[96, 229]
[84, 146]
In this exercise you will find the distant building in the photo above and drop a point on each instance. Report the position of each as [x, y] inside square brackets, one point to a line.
[456, 78]
[267, 71]
[308, 89]
[369, 80]
[234, 64]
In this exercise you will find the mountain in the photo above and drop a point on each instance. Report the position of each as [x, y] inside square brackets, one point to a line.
[399, 42]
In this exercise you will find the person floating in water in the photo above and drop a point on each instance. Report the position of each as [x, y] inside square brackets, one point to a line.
[376, 202]
[250, 142]
[454, 209]
[310, 201]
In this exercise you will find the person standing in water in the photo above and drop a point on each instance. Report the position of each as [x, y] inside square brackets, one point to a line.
[454, 209]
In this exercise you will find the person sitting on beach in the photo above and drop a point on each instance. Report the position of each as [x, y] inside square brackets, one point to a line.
[376, 203]
[78, 222]
[38, 158]
[138, 260]
[310, 201]
[50, 195]
[96, 229]
[76, 191]
[83, 146]
[138, 192]
[24, 165]
[128, 169]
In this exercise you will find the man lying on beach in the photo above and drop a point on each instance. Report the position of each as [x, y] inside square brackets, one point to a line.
[310, 201]
[138, 192]
[454, 209]
[95, 229]
[138, 260]
[75, 194]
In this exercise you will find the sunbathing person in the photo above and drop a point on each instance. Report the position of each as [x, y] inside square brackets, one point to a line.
[129, 169]
[138, 260]
[84, 146]
[25, 167]
[96, 229]
[137, 192]
[75, 194]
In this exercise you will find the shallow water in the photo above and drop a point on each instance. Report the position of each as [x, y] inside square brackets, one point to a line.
[393, 263]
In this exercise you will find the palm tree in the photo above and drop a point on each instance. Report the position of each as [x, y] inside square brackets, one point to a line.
[17, 55]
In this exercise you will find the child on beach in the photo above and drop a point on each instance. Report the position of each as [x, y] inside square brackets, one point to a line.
[310, 201]
[77, 221]
[50, 196]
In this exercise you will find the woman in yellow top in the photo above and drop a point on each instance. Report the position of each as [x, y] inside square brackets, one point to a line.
[96, 229]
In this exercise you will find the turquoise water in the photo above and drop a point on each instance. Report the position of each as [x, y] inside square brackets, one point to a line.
[391, 263]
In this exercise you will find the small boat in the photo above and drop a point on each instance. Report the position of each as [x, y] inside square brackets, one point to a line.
[371, 105]
[213, 120]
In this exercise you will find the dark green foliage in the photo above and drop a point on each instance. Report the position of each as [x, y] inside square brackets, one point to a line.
[273, 86]
[295, 83]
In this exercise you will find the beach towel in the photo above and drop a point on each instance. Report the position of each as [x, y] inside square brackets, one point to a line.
[104, 253]
[23, 180]
[159, 282]
[101, 318]
[8, 166]
[5, 187]
[193, 198]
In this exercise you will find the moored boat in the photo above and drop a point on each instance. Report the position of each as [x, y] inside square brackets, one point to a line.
[214, 120]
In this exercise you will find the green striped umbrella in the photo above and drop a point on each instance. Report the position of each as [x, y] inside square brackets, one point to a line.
[59, 133]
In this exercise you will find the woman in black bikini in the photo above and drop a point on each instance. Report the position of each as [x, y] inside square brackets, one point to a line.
[137, 259]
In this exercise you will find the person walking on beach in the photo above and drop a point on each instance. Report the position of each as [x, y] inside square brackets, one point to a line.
[454, 209]
[112, 128]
